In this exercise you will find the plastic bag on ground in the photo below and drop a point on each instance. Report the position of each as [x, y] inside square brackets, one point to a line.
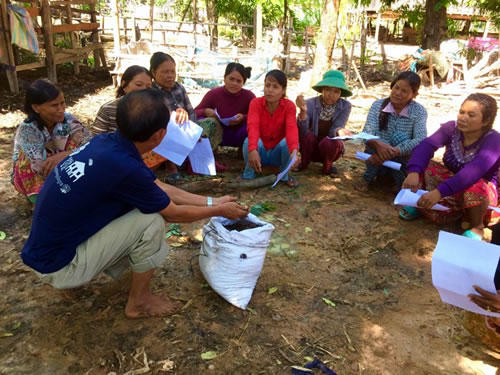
[231, 260]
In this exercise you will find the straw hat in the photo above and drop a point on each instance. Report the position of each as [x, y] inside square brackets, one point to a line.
[333, 78]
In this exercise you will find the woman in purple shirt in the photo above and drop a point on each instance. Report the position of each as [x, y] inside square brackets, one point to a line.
[231, 102]
[467, 183]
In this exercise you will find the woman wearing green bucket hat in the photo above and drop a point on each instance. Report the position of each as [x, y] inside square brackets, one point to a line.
[322, 118]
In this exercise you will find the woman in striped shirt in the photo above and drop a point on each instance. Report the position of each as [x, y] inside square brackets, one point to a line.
[134, 78]
[400, 123]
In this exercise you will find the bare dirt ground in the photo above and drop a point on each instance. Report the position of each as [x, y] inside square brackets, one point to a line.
[330, 242]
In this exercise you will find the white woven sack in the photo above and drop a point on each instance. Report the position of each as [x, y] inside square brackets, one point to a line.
[231, 261]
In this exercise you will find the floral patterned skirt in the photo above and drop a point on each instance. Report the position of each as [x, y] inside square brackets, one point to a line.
[25, 180]
[474, 195]
[152, 159]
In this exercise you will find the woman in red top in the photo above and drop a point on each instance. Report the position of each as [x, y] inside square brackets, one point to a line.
[273, 137]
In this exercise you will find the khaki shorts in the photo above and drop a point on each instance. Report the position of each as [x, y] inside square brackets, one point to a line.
[134, 239]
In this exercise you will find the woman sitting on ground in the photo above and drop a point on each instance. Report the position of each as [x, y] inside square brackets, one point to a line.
[272, 130]
[401, 123]
[134, 78]
[163, 68]
[45, 137]
[230, 100]
[467, 183]
[321, 118]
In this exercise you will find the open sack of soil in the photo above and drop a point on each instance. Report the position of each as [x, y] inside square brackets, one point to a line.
[232, 255]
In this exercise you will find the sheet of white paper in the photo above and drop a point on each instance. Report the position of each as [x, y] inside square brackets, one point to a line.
[458, 263]
[388, 163]
[281, 174]
[224, 121]
[202, 158]
[408, 198]
[362, 135]
[179, 141]
[497, 209]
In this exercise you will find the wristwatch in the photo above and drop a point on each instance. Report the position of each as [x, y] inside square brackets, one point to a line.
[210, 201]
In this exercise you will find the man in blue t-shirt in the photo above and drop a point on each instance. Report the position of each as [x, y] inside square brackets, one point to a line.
[102, 209]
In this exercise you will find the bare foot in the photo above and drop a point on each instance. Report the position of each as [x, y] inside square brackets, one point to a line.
[150, 306]
[362, 185]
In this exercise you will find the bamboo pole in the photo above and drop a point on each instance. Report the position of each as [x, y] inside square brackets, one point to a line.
[306, 42]
[99, 58]
[258, 26]
[151, 16]
[288, 45]
[6, 43]
[377, 26]
[431, 71]
[74, 42]
[195, 21]
[48, 41]
[353, 64]
[116, 27]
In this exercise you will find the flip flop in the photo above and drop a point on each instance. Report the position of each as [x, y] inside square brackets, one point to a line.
[471, 234]
[409, 213]
[333, 172]
[316, 363]
[291, 182]
[491, 325]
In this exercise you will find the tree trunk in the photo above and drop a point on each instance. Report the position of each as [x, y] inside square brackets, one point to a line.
[435, 24]
[151, 16]
[284, 37]
[326, 39]
[212, 29]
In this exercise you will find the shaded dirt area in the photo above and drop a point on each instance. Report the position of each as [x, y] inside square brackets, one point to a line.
[330, 242]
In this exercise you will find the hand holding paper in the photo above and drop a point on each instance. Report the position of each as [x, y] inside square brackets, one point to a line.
[179, 141]
[458, 263]
[407, 198]
[225, 121]
[287, 169]
[362, 135]
[389, 164]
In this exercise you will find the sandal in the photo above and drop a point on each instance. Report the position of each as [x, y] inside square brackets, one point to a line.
[409, 213]
[491, 325]
[333, 172]
[472, 235]
[316, 363]
[291, 182]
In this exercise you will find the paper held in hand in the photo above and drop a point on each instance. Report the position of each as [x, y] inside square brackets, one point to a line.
[389, 164]
[179, 141]
[364, 136]
[287, 169]
[458, 263]
[408, 198]
[202, 158]
[224, 121]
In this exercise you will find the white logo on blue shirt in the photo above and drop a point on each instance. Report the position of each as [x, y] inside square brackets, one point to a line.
[75, 170]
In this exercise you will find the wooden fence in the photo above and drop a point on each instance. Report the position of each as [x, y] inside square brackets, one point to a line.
[125, 28]
[43, 12]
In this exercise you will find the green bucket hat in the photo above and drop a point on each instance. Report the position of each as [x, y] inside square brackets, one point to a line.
[333, 78]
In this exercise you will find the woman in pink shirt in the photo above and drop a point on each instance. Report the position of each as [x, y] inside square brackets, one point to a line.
[273, 137]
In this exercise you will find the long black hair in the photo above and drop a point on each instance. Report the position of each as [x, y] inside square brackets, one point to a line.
[234, 66]
[128, 76]
[39, 92]
[413, 80]
[159, 58]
